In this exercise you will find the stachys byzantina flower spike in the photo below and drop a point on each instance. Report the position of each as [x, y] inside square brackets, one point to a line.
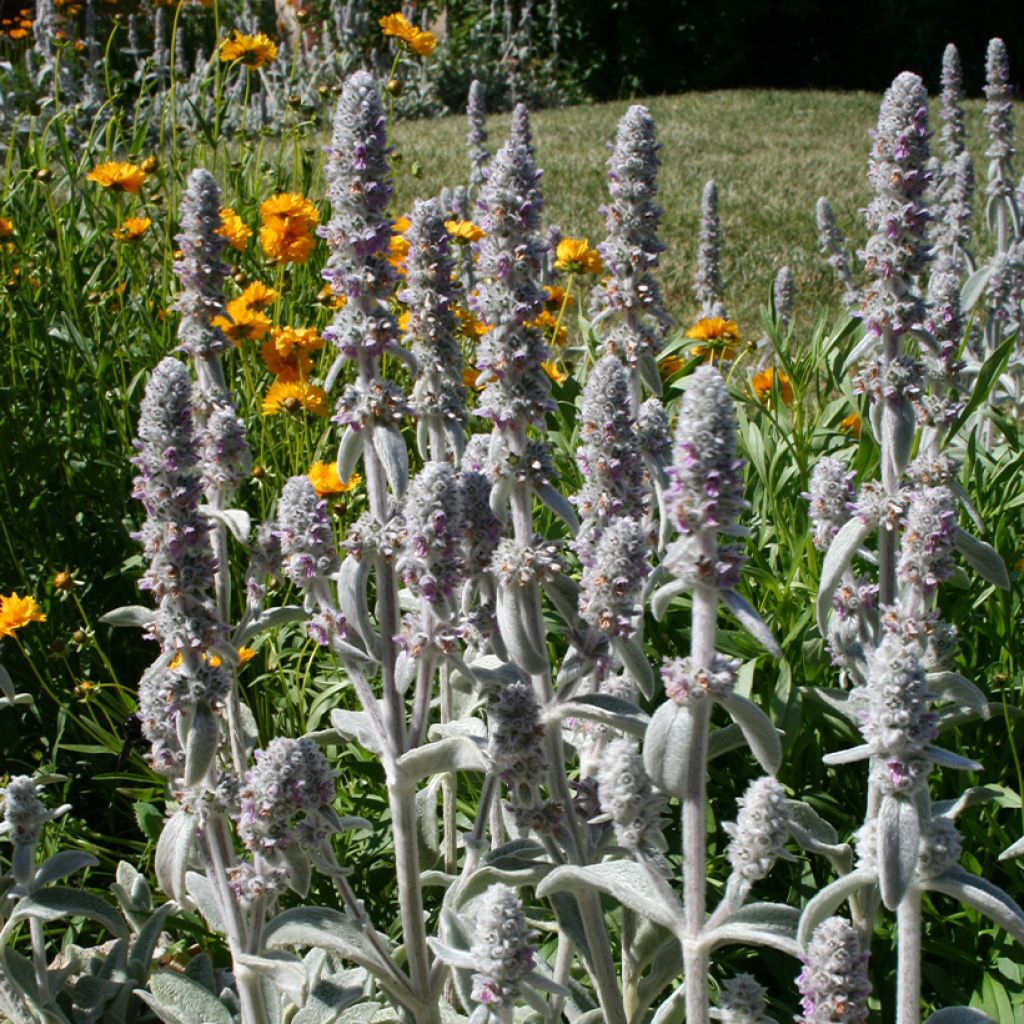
[1003, 214]
[833, 246]
[834, 982]
[707, 282]
[476, 138]
[630, 299]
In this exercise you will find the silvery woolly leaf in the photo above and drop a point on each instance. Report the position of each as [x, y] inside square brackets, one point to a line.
[357, 725]
[836, 700]
[565, 595]
[453, 957]
[62, 901]
[201, 746]
[200, 888]
[955, 687]
[173, 852]
[983, 896]
[604, 708]
[324, 1003]
[983, 558]
[145, 942]
[530, 874]
[330, 930]
[673, 1009]
[62, 864]
[455, 754]
[426, 821]
[350, 447]
[748, 618]
[959, 1015]
[948, 759]
[270, 619]
[810, 821]
[849, 756]
[285, 969]
[974, 287]
[649, 373]
[828, 900]
[898, 426]
[353, 601]
[513, 609]
[635, 662]
[667, 745]
[390, 448]
[664, 596]
[625, 880]
[845, 543]
[899, 837]
[1013, 850]
[187, 999]
[952, 809]
[722, 741]
[559, 504]
[760, 924]
[136, 615]
[762, 737]
[236, 520]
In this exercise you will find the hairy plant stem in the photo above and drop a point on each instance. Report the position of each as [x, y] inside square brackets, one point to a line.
[908, 971]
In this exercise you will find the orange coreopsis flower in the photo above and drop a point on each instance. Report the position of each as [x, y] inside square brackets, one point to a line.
[719, 338]
[290, 396]
[670, 365]
[17, 612]
[252, 51]
[118, 177]
[259, 296]
[419, 41]
[557, 332]
[574, 256]
[6, 227]
[851, 424]
[288, 220]
[244, 322]
[234, 229]
[286, 352]
[132, 229]
[464, 230]
[556, 372]
[763, 382]
[325, 480]
[556, 296]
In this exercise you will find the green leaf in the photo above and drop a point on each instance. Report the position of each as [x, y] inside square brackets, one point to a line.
[187, 999]
[961, 1015]
[989, 373]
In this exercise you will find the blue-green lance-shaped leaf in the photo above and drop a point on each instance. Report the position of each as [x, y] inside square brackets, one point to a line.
[899, 836]
[186, 999]
[350, 447]
[604, 708]
[59, 901]
[983, 558]
[759, 924]
[748, 618]
[762, 737]
[666, 747]
[983, 896]
[845, 543]
[827, 901]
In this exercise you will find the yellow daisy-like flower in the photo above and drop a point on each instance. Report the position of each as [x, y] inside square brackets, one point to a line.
[419, 41]
[555, 372]
[243, 322]
[288, 220]
[118, 177]
[574, 256]
[556, 296]
[851, 424]
[17, 612]
[245, 654]
[720, 338]
[325, 480]
[286, 352]
[464, 231]
[547, 321]
[470, 377]
[668, 366]
[234, 229]
[252, 51]
[132, 229]
[763, 382]
[471, 325]
[259, 296]
[290, 396]
[6, 227]
[326, 297]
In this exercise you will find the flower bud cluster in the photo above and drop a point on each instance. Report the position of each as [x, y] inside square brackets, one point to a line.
[952, 230]
[438, 395]
[705, 495]
[225, 459]
[742, 1001]
[928, 538]
[517, 392]
[175, 536]
[954, 131]
[308, 551]
[359, 232]
[940, 848]
[613, 578]
[834, 982]
[519, 565]
[684, 684]
[290, 778]
[831, 496]
[632, 247]
[609, 456]
[652, 432]
[24, 813]
[897, 251]
[430, 562]
[516, 746]
[200, 269]
[999, 113]
[707, 282]
[627, 797]
[897, 722]
[760, 831]
[784, 293]
[502, 947]
[481, 528]
[833, 245]
[476, 138]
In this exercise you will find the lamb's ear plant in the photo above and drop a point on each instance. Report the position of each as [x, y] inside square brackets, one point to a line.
[887, 635]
